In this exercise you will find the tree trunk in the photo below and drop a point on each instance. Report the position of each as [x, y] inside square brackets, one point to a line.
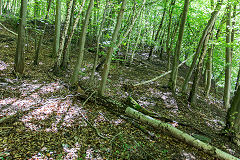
[193, 92]
[63, 37]
[238, 78]
[209, 71]
[57, 29]
[1, 7]
[204, 34]
[98, 42]
[211, 150]
[137, 41]
[233, 118]
[173, 78]
[228, 65]
[169, 31]
[19, 56]
[66, 47]
[42, 35]
[74, 77]
[111, 48]
[173, 35]
[158, 31]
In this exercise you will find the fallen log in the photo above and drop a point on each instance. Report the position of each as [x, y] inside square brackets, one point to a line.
[15, 34]
[180, 135]
[164, 74]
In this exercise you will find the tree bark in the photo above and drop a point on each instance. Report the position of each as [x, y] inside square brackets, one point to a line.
[228, 63]
[238, 78]
[209, 71]
[19, 56]
[173, 78]
[198, 70]
[78, 64]
[233, 118]
[111, 48]
[63, 37]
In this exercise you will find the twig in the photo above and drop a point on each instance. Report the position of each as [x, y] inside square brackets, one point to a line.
[8, 30]
[5, 127]
[143, 149]
[88, 98]
[98, 133]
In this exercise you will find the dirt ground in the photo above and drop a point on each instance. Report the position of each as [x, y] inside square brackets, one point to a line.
[50, 122]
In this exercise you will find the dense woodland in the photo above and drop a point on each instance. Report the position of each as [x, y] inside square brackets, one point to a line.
[119, 79]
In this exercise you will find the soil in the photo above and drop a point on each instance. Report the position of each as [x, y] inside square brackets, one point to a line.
[51, 122]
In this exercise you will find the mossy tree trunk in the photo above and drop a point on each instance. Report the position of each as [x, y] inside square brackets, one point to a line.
[19, 56]
[78, 64]
[233, 118]
[111, 49]
[173, 78]
[180, 135]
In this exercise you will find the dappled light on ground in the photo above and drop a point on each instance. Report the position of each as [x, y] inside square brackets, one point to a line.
[3, 65]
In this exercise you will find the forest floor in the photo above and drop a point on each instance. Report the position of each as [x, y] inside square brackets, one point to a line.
[50, 122]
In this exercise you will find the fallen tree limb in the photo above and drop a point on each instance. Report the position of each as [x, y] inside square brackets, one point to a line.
[132, 103]
[15, 34]
[180, 135]
[164, 74]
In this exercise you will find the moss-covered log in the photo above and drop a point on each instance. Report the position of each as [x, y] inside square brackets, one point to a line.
[180, 135]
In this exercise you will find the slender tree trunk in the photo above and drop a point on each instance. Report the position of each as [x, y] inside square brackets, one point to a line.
[74, 77]
[35, 25]
[209, 71]
[228, 65]
[57, 29]
[98, 42]
[63, 37]
[198, 70]
[137, 41]
[238, 77]
[173, 78]
[42, 35]
[169, 31]
[0, 7]
[173, 35]
[158, 31]
[19, 56]
[66, 47]
[130, 27]
[111, 48]
[204, 34]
